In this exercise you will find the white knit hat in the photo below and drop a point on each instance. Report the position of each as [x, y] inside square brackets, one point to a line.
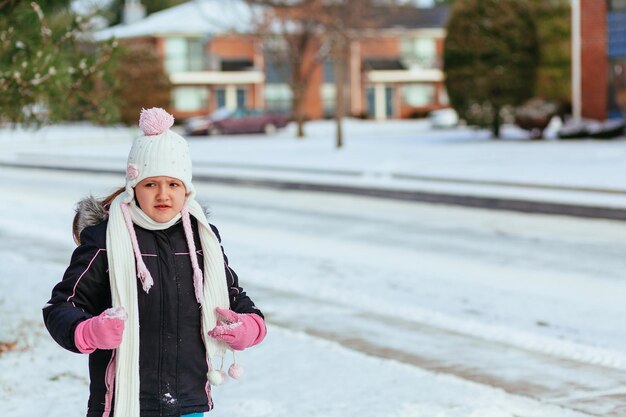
[158, 152]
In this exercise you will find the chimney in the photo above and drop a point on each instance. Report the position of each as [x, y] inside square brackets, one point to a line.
[133, 11]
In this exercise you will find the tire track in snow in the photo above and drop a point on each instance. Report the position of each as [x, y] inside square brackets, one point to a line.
[578, 386]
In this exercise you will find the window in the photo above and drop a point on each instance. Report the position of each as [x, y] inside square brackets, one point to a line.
[220, 97]
[617, 4]
[190, 98]
[616, 31]
[617, 88]
[241, 97]
[329, 94]
[389, 101]
[183, 54]
[373, 95]
[419, 52]
[276, 58]
[278, 97]
[418, 95]
[231, 97]
[276, 72]
[329, 71]
[370, 93]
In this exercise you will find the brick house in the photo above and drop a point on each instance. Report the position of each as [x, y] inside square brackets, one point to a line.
[214, 60]
[602, 64]
[399, 65]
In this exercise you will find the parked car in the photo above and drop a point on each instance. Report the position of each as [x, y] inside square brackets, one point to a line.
[240, 120]
[443, 118]
[586, 128]
[608, 129]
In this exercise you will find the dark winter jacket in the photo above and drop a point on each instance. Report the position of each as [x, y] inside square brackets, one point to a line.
[172, 361]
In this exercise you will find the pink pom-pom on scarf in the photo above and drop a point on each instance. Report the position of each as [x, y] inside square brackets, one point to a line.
[155, 121]
[235, 371]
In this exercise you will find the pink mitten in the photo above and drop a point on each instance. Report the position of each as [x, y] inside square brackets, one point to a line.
[239, 331]
[101, 332]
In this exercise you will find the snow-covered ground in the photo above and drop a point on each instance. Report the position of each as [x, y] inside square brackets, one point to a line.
[355, 290]
[376, 308]
[400, 154]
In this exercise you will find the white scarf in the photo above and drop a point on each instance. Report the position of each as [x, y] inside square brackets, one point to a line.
[123, 276]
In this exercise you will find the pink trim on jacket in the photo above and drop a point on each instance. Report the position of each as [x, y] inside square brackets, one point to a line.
[81, 275]
[209, 366]
[199, 252]
[232, 278]
[109, 382]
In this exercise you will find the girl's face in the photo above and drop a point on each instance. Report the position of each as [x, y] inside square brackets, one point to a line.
[161, 198]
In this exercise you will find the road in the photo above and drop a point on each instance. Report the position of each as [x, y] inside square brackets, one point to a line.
[516, 275]
[526, 303]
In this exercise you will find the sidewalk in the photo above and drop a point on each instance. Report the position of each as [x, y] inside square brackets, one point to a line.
[395, 159]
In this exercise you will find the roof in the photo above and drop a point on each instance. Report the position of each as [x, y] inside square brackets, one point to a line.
[194, 18]
[206, 17]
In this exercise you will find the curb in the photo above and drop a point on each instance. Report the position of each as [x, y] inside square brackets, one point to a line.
[491, 203]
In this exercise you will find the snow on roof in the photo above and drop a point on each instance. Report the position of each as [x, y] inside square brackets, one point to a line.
[196, 17]
[203, 17]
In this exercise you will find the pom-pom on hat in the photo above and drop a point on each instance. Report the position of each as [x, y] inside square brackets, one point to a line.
[155, 121]
[158, 152]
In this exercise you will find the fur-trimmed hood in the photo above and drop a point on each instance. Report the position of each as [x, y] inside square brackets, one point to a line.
[91, 211]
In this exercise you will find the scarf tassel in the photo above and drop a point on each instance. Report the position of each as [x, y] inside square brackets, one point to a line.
[144, 275]
[198, 284]
[198, 280]
[142, 271]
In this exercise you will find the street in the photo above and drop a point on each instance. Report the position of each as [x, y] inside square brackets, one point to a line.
[527, 304]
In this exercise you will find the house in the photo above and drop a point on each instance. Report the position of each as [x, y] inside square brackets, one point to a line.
[210, 55]
[599, 42]
[400, 64]
[215, 59]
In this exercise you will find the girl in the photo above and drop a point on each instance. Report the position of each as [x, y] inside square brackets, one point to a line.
[146, 287]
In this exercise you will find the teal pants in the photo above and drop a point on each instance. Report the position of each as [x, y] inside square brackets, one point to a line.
[194, 415]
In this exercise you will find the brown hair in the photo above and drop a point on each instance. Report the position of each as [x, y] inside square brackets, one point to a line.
[105, 202]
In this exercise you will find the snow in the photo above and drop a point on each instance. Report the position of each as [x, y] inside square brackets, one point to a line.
[290, 372]
[226, 327]
[196, 18]
[116, 313]
[168, 398]
[372, 305]
[401, 154]
[516, 277]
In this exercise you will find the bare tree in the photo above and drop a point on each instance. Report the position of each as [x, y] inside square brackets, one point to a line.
[293, 41]
[340, 35]
[344, 21]
[304, 33]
